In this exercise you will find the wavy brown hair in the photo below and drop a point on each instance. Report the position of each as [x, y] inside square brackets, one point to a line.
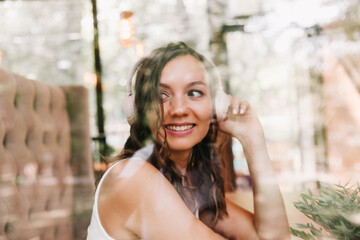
[204, 168]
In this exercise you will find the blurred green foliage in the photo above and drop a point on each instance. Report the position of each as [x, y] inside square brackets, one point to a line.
[335, 211]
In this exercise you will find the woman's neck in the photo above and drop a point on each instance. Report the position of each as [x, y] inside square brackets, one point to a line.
[181, 159]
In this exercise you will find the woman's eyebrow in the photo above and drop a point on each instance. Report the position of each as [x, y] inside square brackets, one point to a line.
[196, 83]
[164, 85]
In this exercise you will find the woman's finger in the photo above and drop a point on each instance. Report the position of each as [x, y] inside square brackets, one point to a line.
[243, 107]
[235, 105]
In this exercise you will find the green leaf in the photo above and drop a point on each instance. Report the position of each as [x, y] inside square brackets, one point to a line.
[301, 234]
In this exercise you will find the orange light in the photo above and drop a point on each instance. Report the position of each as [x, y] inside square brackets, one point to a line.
[126, 29]
[140, 49]
[90, 78]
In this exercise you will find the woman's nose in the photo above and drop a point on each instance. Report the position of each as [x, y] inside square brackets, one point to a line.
[178, 106]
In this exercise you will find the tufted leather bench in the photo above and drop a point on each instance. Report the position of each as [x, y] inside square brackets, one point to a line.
[46, 175]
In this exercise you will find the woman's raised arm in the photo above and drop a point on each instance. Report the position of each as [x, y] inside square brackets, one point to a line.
[270, 219]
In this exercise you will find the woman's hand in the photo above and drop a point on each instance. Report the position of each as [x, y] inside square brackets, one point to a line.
[242, 122]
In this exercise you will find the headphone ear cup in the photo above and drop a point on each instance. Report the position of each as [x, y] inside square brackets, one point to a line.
[221, 104]
[129, 108]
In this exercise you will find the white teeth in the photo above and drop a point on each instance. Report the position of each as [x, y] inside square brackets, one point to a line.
[179, 128]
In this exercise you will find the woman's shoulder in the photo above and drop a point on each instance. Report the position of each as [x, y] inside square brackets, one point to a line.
[122, 193]
[128, 172]
[136, 197]
[127, 169]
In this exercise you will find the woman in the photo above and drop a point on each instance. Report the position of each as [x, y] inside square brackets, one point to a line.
[178, 192]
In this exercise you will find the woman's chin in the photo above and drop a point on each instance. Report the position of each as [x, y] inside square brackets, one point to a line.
[180, 147]
[183, 143]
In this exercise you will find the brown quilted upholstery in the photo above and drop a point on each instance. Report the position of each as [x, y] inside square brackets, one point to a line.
[45, 164]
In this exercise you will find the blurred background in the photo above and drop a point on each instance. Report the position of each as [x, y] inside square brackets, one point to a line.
[296, 61]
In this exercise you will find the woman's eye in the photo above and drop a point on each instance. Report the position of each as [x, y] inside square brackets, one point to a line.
[195, 93]
[164, 95]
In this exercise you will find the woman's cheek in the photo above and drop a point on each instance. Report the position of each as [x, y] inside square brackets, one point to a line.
[205, 112]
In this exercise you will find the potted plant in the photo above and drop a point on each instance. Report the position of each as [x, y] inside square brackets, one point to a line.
[334, 210]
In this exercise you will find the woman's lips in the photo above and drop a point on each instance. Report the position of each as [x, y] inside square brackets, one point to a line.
[179, 129]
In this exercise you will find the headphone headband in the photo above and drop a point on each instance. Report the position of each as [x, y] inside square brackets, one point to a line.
[131, 75]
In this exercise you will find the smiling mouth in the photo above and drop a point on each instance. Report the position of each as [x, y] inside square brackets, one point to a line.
[180, 128]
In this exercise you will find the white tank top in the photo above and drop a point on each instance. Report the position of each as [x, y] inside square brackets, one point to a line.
[95, 230]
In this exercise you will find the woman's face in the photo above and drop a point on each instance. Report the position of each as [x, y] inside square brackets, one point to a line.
[186, 101]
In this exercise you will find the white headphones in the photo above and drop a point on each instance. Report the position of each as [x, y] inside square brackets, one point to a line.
[221, 101]
[129, 101]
